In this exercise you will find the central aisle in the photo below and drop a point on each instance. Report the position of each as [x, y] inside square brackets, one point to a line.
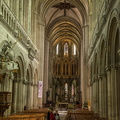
[62, 114]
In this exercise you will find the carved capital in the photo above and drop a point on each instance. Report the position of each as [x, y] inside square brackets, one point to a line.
[32, 84]
[115, 66]
[99, 76]
[108, 68]
[25, 81]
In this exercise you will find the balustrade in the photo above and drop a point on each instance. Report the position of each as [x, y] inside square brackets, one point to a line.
[9, 18]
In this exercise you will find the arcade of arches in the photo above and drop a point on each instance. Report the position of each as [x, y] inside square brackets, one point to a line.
[61, 51]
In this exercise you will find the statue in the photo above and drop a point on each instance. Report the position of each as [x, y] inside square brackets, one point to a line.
[6, 52]
[7, 58]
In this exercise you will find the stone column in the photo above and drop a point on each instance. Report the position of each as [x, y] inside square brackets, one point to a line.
[23, 95]
[100, 95]
[14, 96]
[31, 104]
[24, 92]
[19, 95]
[34, 27]
[50, 97]
[113, 92]
[93, 106]
[97, 95]
[21, 12]
[114, 84]
[84, 51]
[109, 97]
[29, 18]
[47, 65]
[29, 95]
[35, 96]
[92, 91]
[118, 89]
[104, 96]
[17, 8]
[41, 59]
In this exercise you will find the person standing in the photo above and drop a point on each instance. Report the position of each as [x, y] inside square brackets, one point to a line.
[57, 116]
[52, 116]
[48, 114]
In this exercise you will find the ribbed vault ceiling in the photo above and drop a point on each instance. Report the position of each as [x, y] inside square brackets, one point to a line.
[64, 20]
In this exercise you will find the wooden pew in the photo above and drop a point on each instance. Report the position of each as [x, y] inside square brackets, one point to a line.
[82, 115]
[33, 114]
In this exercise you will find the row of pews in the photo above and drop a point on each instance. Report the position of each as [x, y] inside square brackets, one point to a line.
[33, 114]
[82, 115]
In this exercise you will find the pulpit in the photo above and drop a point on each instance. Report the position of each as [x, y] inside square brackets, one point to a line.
[5, 101]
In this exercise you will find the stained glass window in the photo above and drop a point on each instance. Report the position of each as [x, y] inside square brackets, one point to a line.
[66, 89]
[57, 49]
[73, 91]
[74, 49]
[66, 49]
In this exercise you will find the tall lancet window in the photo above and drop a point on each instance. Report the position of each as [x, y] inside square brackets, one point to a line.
[66, 49]
[57, 49]
[73, 90]
[74, 49]
[66, 89]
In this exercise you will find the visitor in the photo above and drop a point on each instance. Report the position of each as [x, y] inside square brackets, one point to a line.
[52, 116]
[57, 116]
[48, 114]
[25, 107]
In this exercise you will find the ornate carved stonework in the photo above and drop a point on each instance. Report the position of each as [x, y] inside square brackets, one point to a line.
[5, 101]
[7, 58]
[31, 53]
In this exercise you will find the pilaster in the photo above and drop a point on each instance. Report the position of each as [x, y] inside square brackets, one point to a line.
[109, 93]
[29, 96]
[14, 96]
[19, 95]
[41, 47]
[115, 92]
[21, 12]
[100, 94]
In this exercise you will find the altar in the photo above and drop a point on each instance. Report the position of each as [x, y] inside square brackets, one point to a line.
[63, 105]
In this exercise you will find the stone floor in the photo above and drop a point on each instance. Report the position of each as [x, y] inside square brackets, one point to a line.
[62, 114]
